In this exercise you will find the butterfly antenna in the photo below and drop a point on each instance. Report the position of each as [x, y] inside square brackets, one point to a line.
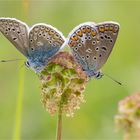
[112, 79]
[10, 60]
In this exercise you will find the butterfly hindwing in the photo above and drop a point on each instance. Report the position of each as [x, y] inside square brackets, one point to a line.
[108, 32]
[16, 32]
[44, 41]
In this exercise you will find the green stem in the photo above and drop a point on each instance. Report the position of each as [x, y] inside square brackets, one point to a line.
[17, 129]
[59, 124]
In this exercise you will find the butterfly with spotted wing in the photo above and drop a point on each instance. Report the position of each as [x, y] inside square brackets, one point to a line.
[38, 44]
[91, 45]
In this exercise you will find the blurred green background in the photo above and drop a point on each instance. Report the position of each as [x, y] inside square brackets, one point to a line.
[95, 119]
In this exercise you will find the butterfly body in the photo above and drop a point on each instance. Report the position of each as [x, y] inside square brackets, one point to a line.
[40, 57]
[38, 44]
[91, 45]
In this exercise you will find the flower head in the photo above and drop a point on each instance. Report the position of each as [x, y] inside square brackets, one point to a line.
[128, 117]
[63, 83]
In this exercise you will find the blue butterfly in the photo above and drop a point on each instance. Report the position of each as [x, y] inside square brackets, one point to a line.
[38, 44]
[91, 45]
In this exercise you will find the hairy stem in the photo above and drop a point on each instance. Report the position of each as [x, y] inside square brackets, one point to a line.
[59, 124]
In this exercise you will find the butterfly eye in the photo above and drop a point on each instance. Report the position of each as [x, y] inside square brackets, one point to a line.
[27, 64]
[98, 75]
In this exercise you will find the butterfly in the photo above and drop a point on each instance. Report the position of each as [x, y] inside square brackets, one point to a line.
[38, 44]
[91, 45]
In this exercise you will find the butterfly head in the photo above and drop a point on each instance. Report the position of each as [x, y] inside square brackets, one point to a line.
[35, 66]
[96, 75]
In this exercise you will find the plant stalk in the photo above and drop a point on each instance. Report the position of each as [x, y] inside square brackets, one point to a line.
[59, 124]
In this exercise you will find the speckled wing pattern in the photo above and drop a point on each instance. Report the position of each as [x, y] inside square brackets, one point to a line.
[91, 43]
[44, 41]
[38, 44]
[16, 32]
[108, 32]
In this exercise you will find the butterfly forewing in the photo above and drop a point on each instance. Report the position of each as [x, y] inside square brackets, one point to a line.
[84, 42]
[44, 41]
[108, 32]
[16, 32]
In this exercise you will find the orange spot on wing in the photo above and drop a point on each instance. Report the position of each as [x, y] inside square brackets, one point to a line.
[93, 33]
[79, 33]
[111, 28]
[83, 29]
[88, 29]
[101, 28]
[71, 43]
[74, 38]
[106, 27]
